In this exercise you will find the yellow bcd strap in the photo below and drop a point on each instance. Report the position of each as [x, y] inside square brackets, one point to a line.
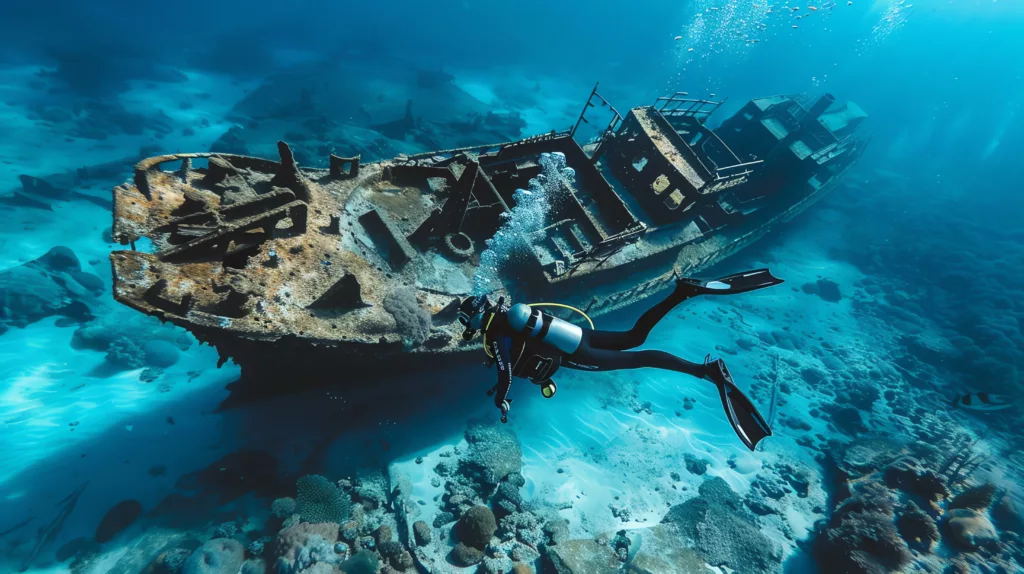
[562, 305]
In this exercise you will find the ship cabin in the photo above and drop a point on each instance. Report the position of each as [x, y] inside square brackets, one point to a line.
[804, 143]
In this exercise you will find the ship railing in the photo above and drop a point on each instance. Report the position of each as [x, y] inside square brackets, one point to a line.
[478, 150]
[613, 124]
[679, 105]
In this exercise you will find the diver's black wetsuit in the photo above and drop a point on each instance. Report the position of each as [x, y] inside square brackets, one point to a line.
[516, 354]
[525, 342]
[603, 350]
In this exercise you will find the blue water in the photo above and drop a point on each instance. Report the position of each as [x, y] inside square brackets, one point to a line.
[922, 242]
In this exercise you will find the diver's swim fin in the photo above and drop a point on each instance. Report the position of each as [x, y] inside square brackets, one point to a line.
[748, 423]
[731, 284]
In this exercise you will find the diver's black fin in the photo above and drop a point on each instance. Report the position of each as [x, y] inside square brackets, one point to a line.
[744, 417]
[731, 284]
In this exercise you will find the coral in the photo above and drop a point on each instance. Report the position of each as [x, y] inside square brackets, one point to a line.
[303, 541]
[522, 526]
[371, 489]
[303, 545]
[256, 547]
[978, 497]
[282, 507]
[226, 530]
[910, 476]
[917, 528]
[123, 352]
[217, 556]
[861, 535]
[421, 533]
[476, 527]
[412, 319]
[171, 562]
[319, 500]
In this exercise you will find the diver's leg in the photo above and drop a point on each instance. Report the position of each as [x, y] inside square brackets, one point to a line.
[587, 358]
[622, 340]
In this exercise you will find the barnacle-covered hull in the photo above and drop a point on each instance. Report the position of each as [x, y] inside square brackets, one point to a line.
[309, 276]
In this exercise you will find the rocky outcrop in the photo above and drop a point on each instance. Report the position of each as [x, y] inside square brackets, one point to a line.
[46, 287]
[721, 531]
[583, 557]
[971, 529]
[217, 556]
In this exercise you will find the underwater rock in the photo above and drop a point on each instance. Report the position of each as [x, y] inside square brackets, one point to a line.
[910, 475]
[661, 553]
[421, 533]
[121, 516]
[716, 525]
[363, 562]
[231, 142]
[557, 530]
[583, 557]
[864, 456]
[44, 287]
[160, 354]
[230, 477]
[971, 529]
[824, 288]
[494, 453]
[846, 419]
[320, 500]
[1006, 515]
[860, 395]
[76, 547]
[463, 555]
[695, 465]
[171, 561]
[476, 527]
[217, 556]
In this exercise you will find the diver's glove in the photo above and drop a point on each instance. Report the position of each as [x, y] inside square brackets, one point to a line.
[505, 406]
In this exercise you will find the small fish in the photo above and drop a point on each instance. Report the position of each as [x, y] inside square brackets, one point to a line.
[678, 38]
[812, 8]
[690, 50]
[795, 26]
[982, 402]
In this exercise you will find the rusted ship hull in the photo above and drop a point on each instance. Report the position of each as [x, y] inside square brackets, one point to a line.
[307, 276]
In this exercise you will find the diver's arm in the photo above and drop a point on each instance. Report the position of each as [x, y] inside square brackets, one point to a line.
[500, 350]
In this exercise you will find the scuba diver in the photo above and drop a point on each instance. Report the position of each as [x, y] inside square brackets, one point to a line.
[525, 342]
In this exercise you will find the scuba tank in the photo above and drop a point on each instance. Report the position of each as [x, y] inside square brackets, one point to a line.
[540, 326]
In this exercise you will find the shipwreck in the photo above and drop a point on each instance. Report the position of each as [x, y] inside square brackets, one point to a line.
[287, 270]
